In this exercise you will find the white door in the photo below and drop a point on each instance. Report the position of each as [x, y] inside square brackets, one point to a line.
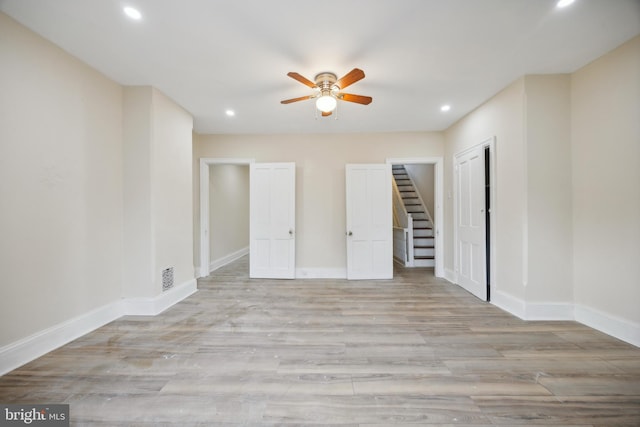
[272, 220]
[470, 221]
[369, 222]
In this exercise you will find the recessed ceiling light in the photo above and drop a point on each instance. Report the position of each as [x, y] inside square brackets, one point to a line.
[564, 3]
[230, 113]
[445, 108]
[132, 13]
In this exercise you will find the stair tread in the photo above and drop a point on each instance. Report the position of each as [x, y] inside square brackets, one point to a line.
[424, 257]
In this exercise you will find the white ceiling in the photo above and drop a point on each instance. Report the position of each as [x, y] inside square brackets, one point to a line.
[214, 55]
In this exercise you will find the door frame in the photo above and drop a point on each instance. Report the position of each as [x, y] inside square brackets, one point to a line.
[438, 215]
[205, 162]
[491, 259]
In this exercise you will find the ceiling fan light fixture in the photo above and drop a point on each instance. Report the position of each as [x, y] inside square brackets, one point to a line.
[328, 90]
[326, 103]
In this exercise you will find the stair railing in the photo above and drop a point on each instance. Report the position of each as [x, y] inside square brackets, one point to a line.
[426, 210]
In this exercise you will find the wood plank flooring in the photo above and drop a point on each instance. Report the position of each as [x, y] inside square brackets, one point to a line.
[410, 351]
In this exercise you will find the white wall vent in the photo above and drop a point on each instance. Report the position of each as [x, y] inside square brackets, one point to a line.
[167, 279]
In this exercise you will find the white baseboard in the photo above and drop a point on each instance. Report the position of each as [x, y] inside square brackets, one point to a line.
[321, 273]
[158, 304]
[509, 303]
[611, 325]
[549, 311]
[27, 349]
[532, 311]
[622, 329]
[227, 259]
[18, 353]
[451, 276]
[200, 272]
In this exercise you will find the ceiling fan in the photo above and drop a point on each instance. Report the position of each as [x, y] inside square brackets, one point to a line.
[328, 90]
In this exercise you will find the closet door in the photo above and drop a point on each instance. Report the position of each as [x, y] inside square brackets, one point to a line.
[470, 221]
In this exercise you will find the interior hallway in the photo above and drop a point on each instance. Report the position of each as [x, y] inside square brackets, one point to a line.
[364, 353]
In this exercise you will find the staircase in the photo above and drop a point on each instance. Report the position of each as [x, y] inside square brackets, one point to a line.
[423, 238]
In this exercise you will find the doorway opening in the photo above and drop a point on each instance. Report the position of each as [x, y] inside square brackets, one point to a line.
[437, 208]
[215, 254]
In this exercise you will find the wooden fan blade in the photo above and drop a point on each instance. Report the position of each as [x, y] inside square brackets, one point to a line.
[360, 99]
[302, 79]
[326, 114]
[350, 78]
[289, 101]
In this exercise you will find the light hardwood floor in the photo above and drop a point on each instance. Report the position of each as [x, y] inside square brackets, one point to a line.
[415, 350]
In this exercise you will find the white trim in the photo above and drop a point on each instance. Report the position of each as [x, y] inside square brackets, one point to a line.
[204, 218]
[614, 326]
[549, 311]
[321, 273]
[451, 276]
[533, 311]
[205, 162]
[508, 303]
[413, 160]
[228, 259]
[156, 305]
[622, 329]
[23, 351]
[438, 215]
[27, 349]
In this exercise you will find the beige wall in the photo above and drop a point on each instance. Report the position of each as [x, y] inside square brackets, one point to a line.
[605, 142]
[228, 210]
[171, 190]
[138, 278]
[533, 209]
[60, 185]
[320, 178]
[423, 176]
[95, 183]
[158, 200]
[549, 214]
[501, 117]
